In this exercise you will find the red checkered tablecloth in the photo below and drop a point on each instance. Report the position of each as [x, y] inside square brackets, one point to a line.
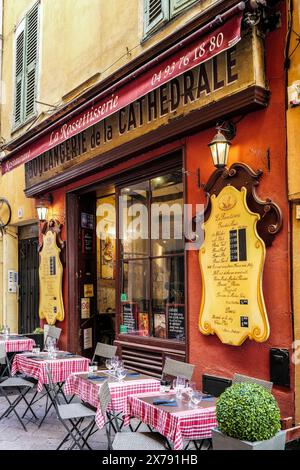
[60, 368]
[176, 426]
[88, 392]
[18, 345]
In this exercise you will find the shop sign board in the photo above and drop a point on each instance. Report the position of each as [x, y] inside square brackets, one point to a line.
[232, 260]
[228, 73]
[51, 307]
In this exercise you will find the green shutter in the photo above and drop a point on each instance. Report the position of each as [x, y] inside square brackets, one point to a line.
[19, 74]
[156, 13]
[31, 61]
[176, 6]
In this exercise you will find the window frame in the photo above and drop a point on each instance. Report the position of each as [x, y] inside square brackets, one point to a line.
[149, 258]
[23, 26]
[169, 13]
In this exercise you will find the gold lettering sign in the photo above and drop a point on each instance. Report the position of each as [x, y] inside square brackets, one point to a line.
[50, 275]
[231, 261]
[228, 73]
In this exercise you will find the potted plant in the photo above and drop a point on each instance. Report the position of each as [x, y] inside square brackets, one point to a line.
[248, 419]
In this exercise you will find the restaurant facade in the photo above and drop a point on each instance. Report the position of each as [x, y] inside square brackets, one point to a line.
[140, 137]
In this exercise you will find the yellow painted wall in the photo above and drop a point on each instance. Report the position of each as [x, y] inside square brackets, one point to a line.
[293, 114]
[293, 129]
[81, 43]
[79, 40]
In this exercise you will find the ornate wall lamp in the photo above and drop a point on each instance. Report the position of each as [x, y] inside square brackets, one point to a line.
[42, 206]
[221, 142]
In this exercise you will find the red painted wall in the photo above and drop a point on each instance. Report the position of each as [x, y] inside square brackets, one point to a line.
[256, 132]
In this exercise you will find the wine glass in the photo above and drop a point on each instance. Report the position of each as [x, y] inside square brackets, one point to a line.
[196, 397]
[179, 385]
[108, 364]
[114, 361]
[189, 390]
[121, 373]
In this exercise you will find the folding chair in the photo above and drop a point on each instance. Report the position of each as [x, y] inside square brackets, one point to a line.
[14, 386]
[74, 414]
[178, 368]
[51, 331]
[238, 378]
[106, 351]
[126, 440]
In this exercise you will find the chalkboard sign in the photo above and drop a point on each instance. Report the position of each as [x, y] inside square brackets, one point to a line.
[175, 314]
[87, 241]
[129, 316]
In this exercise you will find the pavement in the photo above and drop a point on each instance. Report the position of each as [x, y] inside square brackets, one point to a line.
[48, 437]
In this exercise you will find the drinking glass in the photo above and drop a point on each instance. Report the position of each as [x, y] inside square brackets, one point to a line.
[196, 397]
[114, 361]
[189, 390]
[179, 386]
[121, 374]
[108, 364]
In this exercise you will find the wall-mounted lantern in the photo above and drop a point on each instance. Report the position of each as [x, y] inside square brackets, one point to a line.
[42, 207]
[221, 142]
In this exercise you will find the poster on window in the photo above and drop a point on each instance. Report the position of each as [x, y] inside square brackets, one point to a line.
[160, 327]
[143, 324]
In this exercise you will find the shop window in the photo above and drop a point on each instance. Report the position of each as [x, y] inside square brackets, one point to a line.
[152, 258]
[26, 67]
[158, 12]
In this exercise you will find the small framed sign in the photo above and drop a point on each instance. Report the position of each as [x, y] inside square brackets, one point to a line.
[129, 316]
[88, 290]
[85, 307]
[87, 221]
[176, 321]
[87, 241]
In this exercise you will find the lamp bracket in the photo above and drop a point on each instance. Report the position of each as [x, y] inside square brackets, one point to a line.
[228, 128]
[241, 175]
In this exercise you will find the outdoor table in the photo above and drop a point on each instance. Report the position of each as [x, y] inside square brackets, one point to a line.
[14, 343]
[88, 389]
[17, 343]
[60, 368]
[177, 423]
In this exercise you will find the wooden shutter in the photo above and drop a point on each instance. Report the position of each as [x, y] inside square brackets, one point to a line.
[31, 61]
[19, 73]
[156, 13]
[176, 6]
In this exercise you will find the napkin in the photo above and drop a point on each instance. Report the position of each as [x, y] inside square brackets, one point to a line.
[208, 397]
[96, 377]
[133, 374]
[159, 401]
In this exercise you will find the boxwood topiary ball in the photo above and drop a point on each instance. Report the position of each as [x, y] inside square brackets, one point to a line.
[248, 412]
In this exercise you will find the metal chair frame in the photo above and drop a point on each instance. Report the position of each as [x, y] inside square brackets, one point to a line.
[21, 389]
[74, 432]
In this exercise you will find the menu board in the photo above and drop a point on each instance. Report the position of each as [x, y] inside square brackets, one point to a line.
[129, 316]
[176, 321]
[50, 276]
[231, 261]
